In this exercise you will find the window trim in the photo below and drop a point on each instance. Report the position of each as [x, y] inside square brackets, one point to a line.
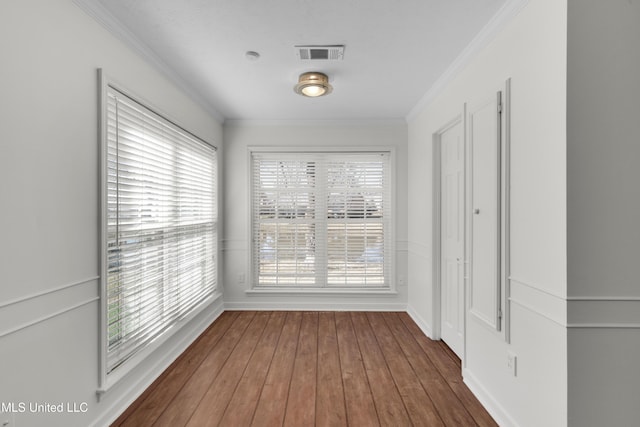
[255, 290]
[107, 380]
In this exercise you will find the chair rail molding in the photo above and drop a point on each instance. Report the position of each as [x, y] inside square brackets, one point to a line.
[603, 312]
[29, 310]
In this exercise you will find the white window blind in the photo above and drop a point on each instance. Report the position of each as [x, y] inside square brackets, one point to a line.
[161, 225]
[321, 220]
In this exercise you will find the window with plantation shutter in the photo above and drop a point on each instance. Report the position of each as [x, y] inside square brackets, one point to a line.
[160, 226]
[321, 220]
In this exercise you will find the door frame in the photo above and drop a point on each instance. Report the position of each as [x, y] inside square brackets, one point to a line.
[436, 321]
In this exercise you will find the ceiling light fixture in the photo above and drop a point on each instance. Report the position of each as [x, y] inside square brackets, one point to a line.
[313, 84]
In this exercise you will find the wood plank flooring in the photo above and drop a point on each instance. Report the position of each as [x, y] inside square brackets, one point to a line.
[310, 369]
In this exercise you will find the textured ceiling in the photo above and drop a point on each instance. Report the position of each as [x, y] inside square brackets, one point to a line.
[395, 50]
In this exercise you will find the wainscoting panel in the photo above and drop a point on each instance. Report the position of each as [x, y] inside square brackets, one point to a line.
[29, 310]
[534, 298]
[604, 312]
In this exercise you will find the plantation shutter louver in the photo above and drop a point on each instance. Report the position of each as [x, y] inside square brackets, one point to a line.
[321, 220]
[161, 226]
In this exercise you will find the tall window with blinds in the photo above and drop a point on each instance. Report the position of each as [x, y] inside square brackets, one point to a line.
[321, 220]
[160, 224]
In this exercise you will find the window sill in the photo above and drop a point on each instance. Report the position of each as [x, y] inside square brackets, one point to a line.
[322, 291]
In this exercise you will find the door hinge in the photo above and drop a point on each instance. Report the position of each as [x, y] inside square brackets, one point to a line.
[499, 313]
[499, 108]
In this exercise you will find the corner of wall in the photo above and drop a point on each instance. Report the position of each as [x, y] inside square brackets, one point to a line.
[420, 321]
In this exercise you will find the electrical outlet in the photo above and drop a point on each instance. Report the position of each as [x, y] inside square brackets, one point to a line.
[241, 278]
[512, 363]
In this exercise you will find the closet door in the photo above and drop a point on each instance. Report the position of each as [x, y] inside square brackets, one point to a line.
[484, 137]
[452, 237]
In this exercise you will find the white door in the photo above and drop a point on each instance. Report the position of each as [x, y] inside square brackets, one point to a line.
[452, 237]
[484, 132]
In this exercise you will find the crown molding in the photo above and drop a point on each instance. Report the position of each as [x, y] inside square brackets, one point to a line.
[506, 13]
[100, 14]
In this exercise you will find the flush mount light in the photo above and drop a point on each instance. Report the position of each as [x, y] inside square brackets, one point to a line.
[313, 84]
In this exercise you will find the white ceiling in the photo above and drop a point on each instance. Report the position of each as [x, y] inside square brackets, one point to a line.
[395, 50]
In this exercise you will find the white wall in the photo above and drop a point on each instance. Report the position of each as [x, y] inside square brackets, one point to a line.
[531, 50]
[603, 148]
[49, 195]
[240, 135]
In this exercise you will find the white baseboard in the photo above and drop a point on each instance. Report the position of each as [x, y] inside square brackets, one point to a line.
[422, 324]
[170, 351]
[313, 306]
[499, 414]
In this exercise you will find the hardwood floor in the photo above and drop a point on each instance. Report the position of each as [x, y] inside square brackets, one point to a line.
[310, 368]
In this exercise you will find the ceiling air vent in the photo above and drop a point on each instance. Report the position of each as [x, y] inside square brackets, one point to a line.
[323, 53]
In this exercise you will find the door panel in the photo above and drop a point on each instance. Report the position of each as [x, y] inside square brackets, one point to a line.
[484, 145]
[452, 237]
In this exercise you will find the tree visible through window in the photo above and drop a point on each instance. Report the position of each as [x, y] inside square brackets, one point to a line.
[321, 219]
